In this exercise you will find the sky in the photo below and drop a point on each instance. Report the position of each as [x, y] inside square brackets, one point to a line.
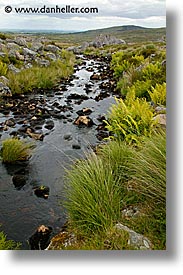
[145, 13]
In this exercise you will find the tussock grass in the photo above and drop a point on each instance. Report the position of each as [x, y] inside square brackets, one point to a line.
[14, 150]
[99, 187]
[93, 195]
[149, 168]
[42, 77]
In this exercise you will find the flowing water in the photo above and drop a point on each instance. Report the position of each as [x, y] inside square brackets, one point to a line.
[21, 211]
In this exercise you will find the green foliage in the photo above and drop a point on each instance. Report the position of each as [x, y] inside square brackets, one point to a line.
[3, 36]
[149, 168]
[42, 77]
[14, 150]
[3, 68]
[93, 195]
[131, 119]
[8, 244]
[134, 69]
[148, 50]
[141, 88]
[158, 94]
[119, 176]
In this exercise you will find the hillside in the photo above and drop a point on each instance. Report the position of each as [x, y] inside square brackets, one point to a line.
[129, 33]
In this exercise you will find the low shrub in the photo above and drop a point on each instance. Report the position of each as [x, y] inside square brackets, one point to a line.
[131, 119]
[6, 244]
[158, 94]
[14, 150]
[3, 68]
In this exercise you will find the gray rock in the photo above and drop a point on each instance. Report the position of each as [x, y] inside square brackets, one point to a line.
[28, 65]
[2, 54]
[160, 109]
[14, 69]
[52, 48]
[29, 52]
[42, 62]
[103, 40]
[12, 53]
[51, 56]
[5, 90]
[21, 41]
[137, 240]
[36, 46]
[12, 46]
[19, 56]
[160, 119]
[4, 80]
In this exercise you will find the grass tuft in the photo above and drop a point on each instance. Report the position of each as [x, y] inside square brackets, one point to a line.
[14, 150]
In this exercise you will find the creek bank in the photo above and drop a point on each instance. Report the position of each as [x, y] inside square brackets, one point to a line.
[48, 118]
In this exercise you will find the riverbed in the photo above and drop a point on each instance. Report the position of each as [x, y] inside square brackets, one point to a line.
[21, 211]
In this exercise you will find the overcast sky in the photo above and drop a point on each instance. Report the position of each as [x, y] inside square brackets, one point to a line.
[146, 13]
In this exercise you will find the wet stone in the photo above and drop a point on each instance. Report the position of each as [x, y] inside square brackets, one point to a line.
[68, 137]
[19, 180]
[76, 146]
[10, 122]
[42, 191]
[84, 121]
[41, 238]
[49, 125]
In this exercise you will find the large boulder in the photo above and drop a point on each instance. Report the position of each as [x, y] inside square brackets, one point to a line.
[36, 46]
[20, 41]
[103, 40]
[29, 53]
[52, 48]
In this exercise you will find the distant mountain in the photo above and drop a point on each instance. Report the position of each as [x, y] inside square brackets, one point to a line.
[116, 29]
[129, 33]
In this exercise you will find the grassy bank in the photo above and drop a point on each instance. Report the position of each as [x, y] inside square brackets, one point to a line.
[38, 77]
[130, 171]
[119, 177]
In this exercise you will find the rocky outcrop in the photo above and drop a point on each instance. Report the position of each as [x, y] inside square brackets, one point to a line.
[103, 40]
[98, 42]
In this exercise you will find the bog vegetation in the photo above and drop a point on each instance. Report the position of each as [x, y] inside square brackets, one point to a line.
[130, 170]
[36, 77]
[14, 149]
[127, 172]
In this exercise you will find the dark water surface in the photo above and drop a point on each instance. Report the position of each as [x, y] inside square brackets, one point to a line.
[21, 211]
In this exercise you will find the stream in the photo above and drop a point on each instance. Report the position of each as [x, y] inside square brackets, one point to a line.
[21, 211]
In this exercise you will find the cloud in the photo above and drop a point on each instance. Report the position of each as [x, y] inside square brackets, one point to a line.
[116, 12]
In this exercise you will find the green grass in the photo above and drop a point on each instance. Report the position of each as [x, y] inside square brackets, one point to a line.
[99, 187]
[6, 244]
[14, 150]
[42, 77]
